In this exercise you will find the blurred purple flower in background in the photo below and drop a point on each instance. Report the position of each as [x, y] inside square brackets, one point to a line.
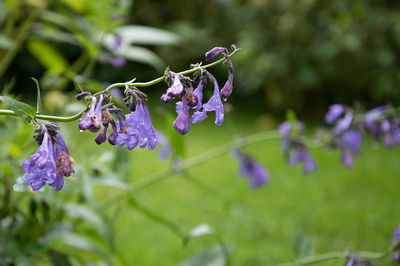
[250, 168]
[344, 123]
[301, 154]
[334, 112]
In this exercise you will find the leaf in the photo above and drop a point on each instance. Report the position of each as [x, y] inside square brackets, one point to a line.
[38, 98]
[48, 55]
[302, 246]
[80, 242]
[201, 230]
[209, 257]
[86, 214]
[146, 35]
[5, 42]
[141, 55]
[23, 110]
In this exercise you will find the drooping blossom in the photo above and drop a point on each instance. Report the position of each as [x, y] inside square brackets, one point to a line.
[198, 93]
[301, 154]
[176, 88]
[92, 119]
[41, 169]
[51, 161]
[183, 121]
[137, 129]
[213, 104]
[285, 129]
[249, 167]
[350, 144]
[334, 112]
[228, 86]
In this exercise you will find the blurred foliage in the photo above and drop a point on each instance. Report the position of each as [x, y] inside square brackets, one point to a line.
[298, 54]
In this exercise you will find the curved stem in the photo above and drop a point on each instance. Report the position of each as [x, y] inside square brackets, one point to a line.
[48, 117]
[160, 79]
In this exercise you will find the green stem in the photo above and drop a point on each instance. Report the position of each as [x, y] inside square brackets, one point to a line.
[47, 117]
[203, 157]
[115, 85]
[160, 79]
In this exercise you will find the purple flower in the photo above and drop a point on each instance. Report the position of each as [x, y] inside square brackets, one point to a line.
[117, 62]
[137, 129]
[183, 120]
[344, 123]
[117, 43]
[213, 104]
[285, 129]
[301, 154]
[92, 119]
[214, 52]
[165, 150]
[48, 165]
[227, 89]
[352, 139]
[396, 235]
[198, 94]
[334, 112]
[374, 114]
[41, 169]
[64, 163]
[249, 167]
[176, 88]
[81, 95]
[347, 158]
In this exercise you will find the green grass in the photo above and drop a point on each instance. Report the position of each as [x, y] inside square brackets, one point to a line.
[337, 208]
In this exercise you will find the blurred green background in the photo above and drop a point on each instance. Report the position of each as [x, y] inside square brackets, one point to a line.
[300, 55]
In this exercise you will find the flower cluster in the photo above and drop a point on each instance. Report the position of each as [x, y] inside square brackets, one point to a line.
[349, 128]
[182, 88]
[293, 148]
[51, 162]
[250, 168]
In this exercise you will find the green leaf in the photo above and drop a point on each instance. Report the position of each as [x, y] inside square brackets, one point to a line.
[38, 98]
[48, 55]
[302, 246]
[81, 243]
[146, 36]
[201, 230]
[23, 110]
[5, 42]
[209, 257]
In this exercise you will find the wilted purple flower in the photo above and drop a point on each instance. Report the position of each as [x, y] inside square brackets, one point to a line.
[137, 130]
[344, 123]
[301, 154]
[81, 95]
[64, 163]
[176, 88]
[334, 112]
[102, 136]
[227, 89]
[198, 93]
[210, 55]
[183, 120]
[41, 169]
[249, 167]
[213, 104]
[92, 119]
